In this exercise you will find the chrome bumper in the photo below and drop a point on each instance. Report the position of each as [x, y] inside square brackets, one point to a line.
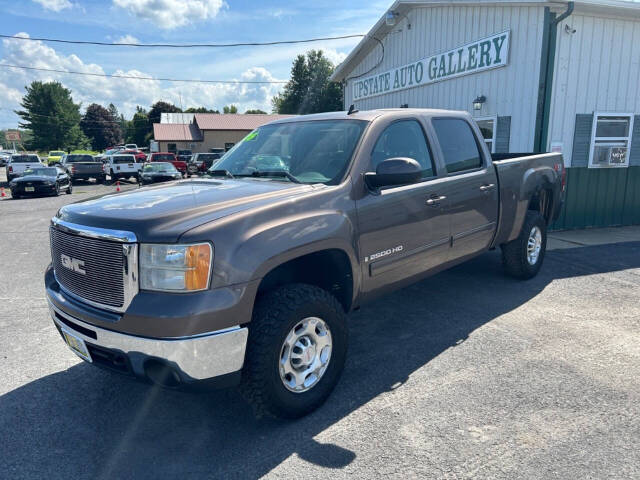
[192, 358]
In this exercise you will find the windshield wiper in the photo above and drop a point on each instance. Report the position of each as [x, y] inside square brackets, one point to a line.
[271, 173]
[220, 173]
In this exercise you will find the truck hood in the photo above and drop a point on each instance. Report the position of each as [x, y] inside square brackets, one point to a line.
[164, 213]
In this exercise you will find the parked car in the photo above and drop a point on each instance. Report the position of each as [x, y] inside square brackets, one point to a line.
[158, 172]
[121, 165]
[41, 180]
[367, 202]
[55, 156]
[131, 146]
[20, 162]
[83, 167]
[180, 165]
[140, 156]
[201, 162]
[4, 158]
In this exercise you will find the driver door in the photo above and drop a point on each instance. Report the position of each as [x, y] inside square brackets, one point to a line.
[404, 230]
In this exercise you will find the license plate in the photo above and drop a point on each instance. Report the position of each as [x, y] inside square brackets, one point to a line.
[77, 345]
[29, 189]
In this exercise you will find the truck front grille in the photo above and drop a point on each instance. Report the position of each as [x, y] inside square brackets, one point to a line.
[89, 268]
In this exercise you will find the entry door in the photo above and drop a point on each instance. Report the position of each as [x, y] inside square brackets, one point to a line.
[404, 231]
[472, 187]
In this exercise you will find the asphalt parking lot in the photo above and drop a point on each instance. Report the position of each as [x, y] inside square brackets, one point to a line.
[466, 374]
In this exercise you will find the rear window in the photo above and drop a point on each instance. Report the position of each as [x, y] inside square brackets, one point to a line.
[163, 157]
[209, 156]
[56, 154]
[24, 158]
[79, 158]
[124, 159]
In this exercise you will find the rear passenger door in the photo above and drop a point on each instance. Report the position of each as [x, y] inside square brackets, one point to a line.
[404, 230]
[471, 186]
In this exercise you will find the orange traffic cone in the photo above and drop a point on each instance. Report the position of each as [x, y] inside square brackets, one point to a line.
[2, 195]
[117, 185]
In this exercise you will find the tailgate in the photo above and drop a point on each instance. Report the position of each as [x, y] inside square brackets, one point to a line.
[87, 167]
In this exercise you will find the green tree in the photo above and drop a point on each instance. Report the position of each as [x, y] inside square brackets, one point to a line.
[255, 111]
[49, 113]
[100, 126]
[200, 110]
[309, 89]
[158, 108]
[230, 109]
[137, 128]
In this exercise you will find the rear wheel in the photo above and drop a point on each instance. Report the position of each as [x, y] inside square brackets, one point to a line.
[522, 257]
[69, 189]
[295, 352]
[57, 192]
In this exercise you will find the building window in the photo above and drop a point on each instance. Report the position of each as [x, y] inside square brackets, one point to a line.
[487, 127]
[172, 147]
[228, 146]
[610, 140]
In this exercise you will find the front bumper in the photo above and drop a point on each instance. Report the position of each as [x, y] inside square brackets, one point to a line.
[39, 189]
[176, 362]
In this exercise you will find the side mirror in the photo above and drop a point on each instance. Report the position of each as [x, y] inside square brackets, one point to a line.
[394, 171]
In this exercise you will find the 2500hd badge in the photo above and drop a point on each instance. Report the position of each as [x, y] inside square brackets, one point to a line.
[246, 275]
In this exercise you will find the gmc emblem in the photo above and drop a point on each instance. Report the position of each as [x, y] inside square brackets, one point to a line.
[72, 264]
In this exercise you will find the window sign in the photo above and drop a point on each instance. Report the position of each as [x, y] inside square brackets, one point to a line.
[483, 54]
[610, 140]
[487, 127]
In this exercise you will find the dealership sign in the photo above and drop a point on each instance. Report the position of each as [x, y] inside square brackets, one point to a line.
[483, 54]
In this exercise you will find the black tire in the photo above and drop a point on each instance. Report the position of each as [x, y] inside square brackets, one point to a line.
[57, 192]
[275, 315]
[514, 254]
[70, 189]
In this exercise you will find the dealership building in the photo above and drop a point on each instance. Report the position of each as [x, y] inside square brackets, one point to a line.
[537, 76]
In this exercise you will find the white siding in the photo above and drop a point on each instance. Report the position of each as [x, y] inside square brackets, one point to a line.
[510, 90]
[596, 69]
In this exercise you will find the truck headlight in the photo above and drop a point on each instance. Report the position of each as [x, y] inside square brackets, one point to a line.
[175, 268]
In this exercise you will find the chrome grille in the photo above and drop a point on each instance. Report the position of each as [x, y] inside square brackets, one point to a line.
[104, 264]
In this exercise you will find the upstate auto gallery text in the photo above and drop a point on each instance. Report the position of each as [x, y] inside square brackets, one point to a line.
[483, 54]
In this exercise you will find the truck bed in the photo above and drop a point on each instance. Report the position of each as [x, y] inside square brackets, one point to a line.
[524, 178]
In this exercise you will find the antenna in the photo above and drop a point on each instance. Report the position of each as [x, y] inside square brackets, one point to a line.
[352, 109]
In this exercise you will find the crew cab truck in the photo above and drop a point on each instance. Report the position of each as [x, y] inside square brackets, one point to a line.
[119, 166]
[246, 275]
[20, 162]
[83, 167]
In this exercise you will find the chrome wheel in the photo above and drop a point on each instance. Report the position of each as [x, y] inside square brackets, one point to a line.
[305, 354]
[534, 244]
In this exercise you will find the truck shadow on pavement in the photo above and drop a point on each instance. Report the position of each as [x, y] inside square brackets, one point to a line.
[87, 423]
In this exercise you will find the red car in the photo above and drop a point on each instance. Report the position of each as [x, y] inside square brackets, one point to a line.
[171, 158]
[140, 156]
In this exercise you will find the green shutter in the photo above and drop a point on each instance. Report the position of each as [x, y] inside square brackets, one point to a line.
[582, 140]
[503, 134]
[634, 154]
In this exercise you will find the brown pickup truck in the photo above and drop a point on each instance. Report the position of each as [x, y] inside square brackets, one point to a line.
[247, 274]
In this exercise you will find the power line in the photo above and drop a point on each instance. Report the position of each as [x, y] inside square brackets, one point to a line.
[223, 82]
[183, 45]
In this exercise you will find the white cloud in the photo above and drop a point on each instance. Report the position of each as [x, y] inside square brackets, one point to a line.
[169, 14]
[55, 5]
[126, 94]
[335, 56]
[127, 39]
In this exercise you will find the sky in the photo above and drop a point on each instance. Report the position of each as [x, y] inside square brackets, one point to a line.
[169, 21]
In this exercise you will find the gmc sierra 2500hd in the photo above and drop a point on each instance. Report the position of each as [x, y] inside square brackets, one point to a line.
[247, 274]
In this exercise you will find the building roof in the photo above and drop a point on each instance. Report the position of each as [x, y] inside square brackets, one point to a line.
[176, 132]
[166, 117]
[624, 8]
[233, 121]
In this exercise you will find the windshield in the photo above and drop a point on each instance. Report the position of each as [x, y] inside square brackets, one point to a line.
[49, 171]
[162, 157]
[160, 167]
[56, 154]
[124, 159]
[311, 152]
[24, 159]
[79, 158]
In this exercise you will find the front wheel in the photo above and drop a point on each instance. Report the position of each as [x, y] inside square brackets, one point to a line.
[295, 352]
[70, 189]
[522, 257]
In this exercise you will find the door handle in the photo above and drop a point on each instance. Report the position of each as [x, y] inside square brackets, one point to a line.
[487, 187]
[435, 200]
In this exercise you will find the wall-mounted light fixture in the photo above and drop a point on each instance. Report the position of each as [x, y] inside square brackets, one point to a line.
[477, 103]
[390, 18]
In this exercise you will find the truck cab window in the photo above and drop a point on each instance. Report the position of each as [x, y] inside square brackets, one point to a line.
[403, 139]
[458, 144]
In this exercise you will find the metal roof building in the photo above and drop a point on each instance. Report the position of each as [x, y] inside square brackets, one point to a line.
[537, 75]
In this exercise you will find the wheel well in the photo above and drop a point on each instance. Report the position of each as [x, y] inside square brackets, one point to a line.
[327, 269]
[542, 202]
